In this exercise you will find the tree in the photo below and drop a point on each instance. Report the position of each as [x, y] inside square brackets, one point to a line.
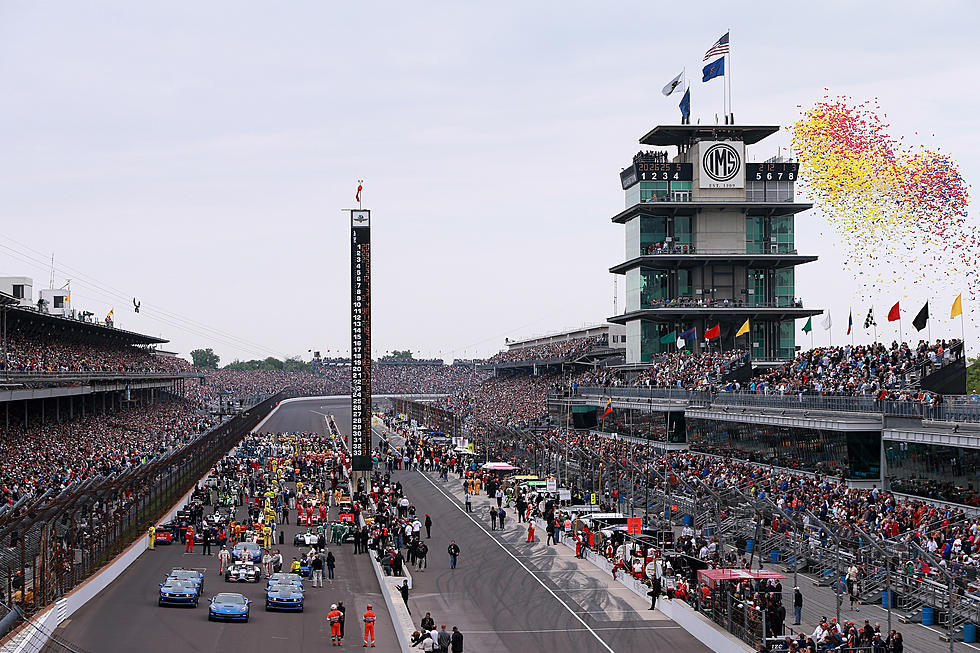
[402, 355]
[973, 376]
[205, 359]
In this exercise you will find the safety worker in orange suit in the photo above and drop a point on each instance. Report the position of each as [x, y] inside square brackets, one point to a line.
[369, 619]
[152, 534]
[189, 536]
[530, 531]
[334, 617]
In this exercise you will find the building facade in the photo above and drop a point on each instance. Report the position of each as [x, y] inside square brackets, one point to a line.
[710, 240]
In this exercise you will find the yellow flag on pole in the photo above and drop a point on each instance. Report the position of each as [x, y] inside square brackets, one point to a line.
[957, 306]
[743, 329]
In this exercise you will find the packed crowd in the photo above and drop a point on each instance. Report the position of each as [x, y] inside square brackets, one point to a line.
[556, 349]
[854, 369]
[32, 353]
[51, 456]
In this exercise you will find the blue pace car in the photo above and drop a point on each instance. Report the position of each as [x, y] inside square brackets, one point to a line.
[177, 592]
[228, 607]
[284, 578]
[188, 576]
[284, 597]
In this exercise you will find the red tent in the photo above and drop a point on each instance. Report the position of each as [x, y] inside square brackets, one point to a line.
[714, 576]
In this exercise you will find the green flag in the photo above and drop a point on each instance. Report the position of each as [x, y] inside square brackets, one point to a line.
[669, 339]
[808, 327]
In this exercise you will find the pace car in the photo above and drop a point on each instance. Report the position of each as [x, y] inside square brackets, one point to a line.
[188, 576]
[283, 578]
[284, 597]
[247, 550]
[177, 592]
[228, 607]
[305, 539]
[243, 572]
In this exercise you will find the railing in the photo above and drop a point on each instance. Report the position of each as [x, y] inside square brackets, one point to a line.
[55, 376]
[674, 249]
[695, 302]
[954, 408]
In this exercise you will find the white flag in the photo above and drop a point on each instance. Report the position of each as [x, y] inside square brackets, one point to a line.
[827, 323]
[674, 84]
[680, 343]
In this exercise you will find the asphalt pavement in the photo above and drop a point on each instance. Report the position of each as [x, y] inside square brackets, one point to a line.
[125, 617]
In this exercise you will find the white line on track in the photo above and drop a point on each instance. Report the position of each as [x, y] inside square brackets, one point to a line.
[566, 630]
[523, 566]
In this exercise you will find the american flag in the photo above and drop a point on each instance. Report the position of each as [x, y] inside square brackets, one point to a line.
[720, 47]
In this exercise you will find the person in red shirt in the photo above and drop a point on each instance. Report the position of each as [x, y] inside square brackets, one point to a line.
[334, 617]
[369, 619]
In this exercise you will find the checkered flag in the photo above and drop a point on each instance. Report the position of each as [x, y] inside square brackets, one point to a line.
[870, 320]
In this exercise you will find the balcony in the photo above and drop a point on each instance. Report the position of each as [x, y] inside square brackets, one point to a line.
[691, 256]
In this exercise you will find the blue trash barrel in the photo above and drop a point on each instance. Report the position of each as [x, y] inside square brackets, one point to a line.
[688, 520]
[749, 546]
[774, 555]
[667, 513]
[711, 530]
[969, 633]
[887, 599]
[928, 616]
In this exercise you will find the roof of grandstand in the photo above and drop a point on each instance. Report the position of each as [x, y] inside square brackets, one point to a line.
[7, 300]
[30, 319]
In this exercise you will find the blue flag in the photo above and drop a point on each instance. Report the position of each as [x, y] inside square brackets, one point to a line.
[714, 69]
[685, 105]
[688, 335]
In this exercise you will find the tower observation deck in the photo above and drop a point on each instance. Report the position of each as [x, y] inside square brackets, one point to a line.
[710, 240]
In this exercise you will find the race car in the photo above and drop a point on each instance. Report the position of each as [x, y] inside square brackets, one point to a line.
[177, 592]
[193, 577]
[228, 607]
[246, 550]
[283, 578]
[243, 572]
[284, 597]
[163, 536]
[305, 539]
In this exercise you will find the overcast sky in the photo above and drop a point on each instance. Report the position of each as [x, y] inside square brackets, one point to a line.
[197, 156]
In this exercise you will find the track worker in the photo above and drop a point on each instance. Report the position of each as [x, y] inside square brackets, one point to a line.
[189, 535]
[334, 618]
[369, 619]
[151, 532]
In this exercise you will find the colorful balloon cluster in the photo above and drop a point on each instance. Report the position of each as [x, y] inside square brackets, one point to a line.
[900, 211]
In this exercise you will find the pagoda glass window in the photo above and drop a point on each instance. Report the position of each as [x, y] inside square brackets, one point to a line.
[680, 191]
[654, 287]
[782, 233]
[653, 232]
[683, 230]
[785, 287]
[653, 191]
[755, 234]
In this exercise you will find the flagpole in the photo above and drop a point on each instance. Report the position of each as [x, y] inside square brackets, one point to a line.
[728, 75]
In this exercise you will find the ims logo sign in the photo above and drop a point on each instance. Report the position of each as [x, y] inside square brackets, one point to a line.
[721, 166]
